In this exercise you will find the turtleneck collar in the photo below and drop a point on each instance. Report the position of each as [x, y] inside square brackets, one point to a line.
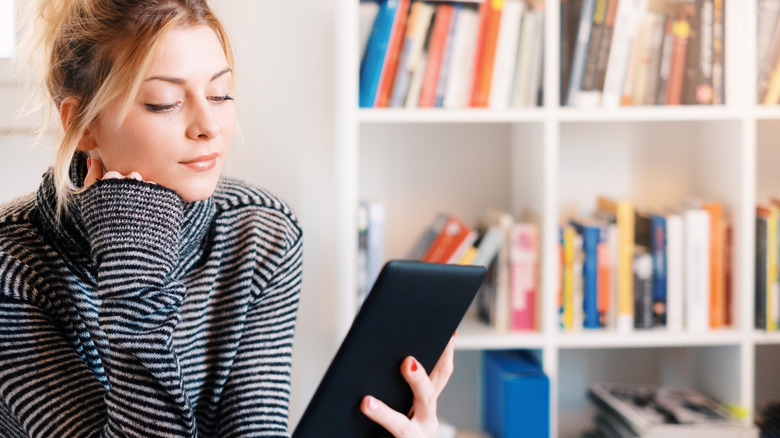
[69, 234]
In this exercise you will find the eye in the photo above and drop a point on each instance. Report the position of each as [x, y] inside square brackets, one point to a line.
[161, 108]
[220, 99]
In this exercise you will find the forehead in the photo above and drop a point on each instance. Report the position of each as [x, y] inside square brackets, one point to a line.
[189, 52]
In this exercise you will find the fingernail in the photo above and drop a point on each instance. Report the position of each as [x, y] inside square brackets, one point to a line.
[414, 365]
[372, 404]
[453, 333]
[89, 163]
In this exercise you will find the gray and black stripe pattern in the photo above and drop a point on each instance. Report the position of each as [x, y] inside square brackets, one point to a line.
[138, 315]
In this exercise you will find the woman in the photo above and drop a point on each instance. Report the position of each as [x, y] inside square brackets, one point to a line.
[142, 295]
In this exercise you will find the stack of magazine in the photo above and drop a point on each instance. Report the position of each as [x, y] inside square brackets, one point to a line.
[649, 411]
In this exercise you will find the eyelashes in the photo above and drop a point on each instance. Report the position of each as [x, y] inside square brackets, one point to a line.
[167, 108]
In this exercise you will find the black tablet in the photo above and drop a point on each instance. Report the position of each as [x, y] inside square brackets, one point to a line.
[413, 309]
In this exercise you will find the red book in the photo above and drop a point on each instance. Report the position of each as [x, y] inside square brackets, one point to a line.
[439, 34]
[481, 93]
[451, 237]
[390, 66]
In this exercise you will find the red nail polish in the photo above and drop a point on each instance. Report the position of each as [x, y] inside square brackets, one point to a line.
[414, 366]
[89, 163]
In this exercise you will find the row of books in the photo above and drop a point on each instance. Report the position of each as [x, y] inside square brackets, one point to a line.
[453, 54]
[508, 247]
[625, 410]
[625, 268]
[768, 51]
[642, 52]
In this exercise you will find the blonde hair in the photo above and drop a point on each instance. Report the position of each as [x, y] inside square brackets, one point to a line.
[98, 51]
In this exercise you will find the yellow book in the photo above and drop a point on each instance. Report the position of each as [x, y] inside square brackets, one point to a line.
[773, 273]
[623, 213]
[568, 277]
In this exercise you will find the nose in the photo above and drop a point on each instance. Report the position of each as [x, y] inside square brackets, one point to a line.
[203, 123]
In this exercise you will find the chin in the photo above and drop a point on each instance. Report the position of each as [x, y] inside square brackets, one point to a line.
[198, 192]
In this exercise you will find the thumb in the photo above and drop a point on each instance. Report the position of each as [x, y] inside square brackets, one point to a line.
[94, 172]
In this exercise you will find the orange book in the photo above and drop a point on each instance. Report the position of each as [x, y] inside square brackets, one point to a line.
[451, 237]
[481, 93]
[484, 9]
[717, 264]
[680, 31]
[604, 266]
[441, 30]
[387, 77]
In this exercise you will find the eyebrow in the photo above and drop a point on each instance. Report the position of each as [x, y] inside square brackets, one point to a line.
[180, 81]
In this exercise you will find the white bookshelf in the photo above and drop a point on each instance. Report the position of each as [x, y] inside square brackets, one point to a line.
[555, 161]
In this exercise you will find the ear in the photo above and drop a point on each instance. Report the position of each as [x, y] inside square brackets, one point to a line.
[68, 110]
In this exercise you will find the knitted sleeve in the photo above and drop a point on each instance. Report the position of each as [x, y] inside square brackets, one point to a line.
[263, 362]
[134, 231]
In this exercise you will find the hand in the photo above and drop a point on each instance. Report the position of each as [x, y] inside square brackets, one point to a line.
[95, 172]
[422, 421]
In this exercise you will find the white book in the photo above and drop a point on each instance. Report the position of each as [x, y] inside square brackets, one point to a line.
[506, 53]
[629, 13]
[674, 272]
[504, 221]
[537, 59]
[578, 284]
[464, 45]
[697, 269]
[415, 86]
[525, 53]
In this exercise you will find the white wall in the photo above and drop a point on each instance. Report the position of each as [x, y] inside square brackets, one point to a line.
[285, 100]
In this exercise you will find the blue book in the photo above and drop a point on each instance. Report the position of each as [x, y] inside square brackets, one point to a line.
[374, 58]
[658, 250]
[591, 237]
[516, 395]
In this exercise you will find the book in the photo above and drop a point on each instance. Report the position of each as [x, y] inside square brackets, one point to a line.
[446, 61]
[606, 44]
[506, 54]
[390, 66]
[665, 63]
[579, 61]
[489, 39]
[367, 12]
[717, 264]
[452, 241]
[590, 232]
[627, 20]
[718, 54]
[622, 213]
[436, 49]
[693, 53]
[373, 63]
[463, 49]
[427, 237]
[594, 45]
[702, 82]
[767, 14]
[523, 275]
[569, 14]
[772, 268]
[371, 240]
[674, 272]
[488, 246]
[516, 395]
[697, 269]
[655, 411]
[681, 30]
[658, 251]
[418, 23]
[493, 297]
[528, 71]
[761, 264]
[568, 236]
[643, 288]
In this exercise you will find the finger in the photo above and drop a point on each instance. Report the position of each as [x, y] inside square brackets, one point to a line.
[135, 175]
[444, 367]
[393, 421]
[94, 171]
[424, 393]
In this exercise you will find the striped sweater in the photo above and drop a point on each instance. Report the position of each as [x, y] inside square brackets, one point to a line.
[138, 315]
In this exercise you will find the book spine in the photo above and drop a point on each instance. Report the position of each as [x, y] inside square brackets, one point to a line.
[772, 288]
[481, 92]
[703, 92]
[626, 22]
[579, 61]
[446, 62]
[666, 61]
[376, 48]
[606, 44]
[643, 289]
[590, 273]
[525, 52]
[674, 272]
[717, 260]
[464, 45]
[625, 298]
[659, 280]
[718, 58]
[441, 29]
[594, 45]
[506, 53]
[697, 275]
[693, 53]
[567, 304]
[395, 44]
[674, 85]
[761, 275]
[523, 276]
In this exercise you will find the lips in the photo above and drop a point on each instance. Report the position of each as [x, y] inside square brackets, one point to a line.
[202, 163]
